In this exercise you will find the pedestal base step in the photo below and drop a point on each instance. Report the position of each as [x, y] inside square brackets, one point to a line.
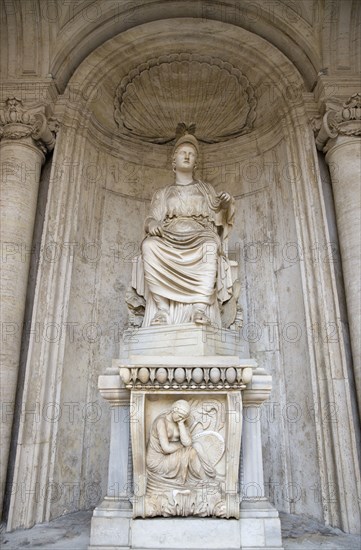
[181, 533]
[247, 533]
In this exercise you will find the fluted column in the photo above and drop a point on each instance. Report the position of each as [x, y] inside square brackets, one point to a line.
[340, 138]
[25, 139]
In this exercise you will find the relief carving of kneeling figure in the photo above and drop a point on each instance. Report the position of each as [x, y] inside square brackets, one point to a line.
[170, 453]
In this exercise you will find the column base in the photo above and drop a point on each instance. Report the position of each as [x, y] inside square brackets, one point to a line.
[259, 527]
[111, 525]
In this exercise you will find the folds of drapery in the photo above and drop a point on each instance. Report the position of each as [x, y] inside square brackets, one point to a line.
[188, 264]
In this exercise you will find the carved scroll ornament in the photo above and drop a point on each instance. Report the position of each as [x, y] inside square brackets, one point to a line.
[345, 121]
[17, 122]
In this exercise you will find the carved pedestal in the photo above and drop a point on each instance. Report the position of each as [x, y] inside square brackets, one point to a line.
[197, 457]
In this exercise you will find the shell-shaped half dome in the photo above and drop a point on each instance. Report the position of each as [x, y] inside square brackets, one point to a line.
[215, 96]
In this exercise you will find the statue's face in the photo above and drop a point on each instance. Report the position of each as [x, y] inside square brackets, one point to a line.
[179, 414]
[185, 158]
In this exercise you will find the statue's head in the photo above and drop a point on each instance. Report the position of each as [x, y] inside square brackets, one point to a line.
[180, 410]
[190, 139]
[185, 153]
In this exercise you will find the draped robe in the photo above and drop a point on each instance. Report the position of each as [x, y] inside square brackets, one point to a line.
[178, 465]
[188, 264]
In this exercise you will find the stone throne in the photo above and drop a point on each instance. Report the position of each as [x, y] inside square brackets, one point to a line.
[185, 462]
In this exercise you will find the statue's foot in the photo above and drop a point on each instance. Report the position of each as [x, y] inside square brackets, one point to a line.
[160, 318]
[200, 318]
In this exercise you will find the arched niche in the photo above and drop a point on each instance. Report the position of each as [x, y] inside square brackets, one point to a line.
[287, 27]
[100, 187]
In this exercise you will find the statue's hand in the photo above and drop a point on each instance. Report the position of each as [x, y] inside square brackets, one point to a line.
[155, 229]
[225, 199]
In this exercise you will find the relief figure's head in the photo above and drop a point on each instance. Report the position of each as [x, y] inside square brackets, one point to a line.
[180, 410]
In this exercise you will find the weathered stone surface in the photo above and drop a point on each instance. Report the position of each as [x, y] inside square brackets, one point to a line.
[284, 235]
[153, 86]
[72, 531]
[25, 139]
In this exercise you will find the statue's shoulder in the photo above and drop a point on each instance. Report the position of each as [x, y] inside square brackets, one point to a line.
[207, 187]
[164, 190]
[159, 194]
[161, 418]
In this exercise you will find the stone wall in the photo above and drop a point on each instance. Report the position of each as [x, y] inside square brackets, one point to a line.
[100, 186]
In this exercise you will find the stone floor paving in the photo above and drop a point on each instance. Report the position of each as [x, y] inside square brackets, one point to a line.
[304, 533]
[71, 532]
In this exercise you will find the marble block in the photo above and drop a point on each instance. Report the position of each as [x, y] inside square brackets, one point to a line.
[260, 526]
[110, 526]
[186, 339]
[257, 528]
[120, 524]
[200, 477]
[180, 533]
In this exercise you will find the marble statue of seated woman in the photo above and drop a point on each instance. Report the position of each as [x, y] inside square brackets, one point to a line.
[183, 271]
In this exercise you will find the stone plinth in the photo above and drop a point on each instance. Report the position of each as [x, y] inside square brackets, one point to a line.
[183, 533]
[187, 339]
[218, 387]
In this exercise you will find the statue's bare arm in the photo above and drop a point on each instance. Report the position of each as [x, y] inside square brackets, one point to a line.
[185, 436]
[168, 447]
